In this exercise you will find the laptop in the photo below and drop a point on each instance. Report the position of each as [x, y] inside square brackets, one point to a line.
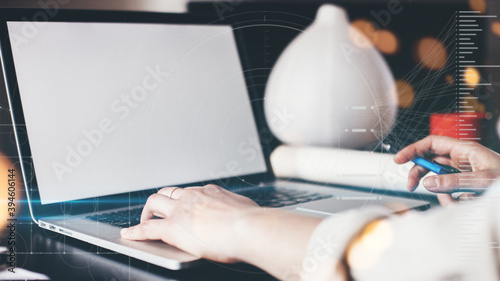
[109, 107]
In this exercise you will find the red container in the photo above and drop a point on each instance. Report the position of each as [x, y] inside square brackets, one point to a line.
[463, 126]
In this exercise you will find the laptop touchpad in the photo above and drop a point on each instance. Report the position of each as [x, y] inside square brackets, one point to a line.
[336, 205]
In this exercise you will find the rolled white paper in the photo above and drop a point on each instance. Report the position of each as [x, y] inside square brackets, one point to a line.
[342, 166]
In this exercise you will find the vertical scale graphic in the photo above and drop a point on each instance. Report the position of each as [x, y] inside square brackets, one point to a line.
[468, 27]
[471, 246]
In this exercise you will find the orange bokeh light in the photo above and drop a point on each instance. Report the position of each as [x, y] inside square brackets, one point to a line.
[387, 42]
[406, 93]
[431, 53]
[450, 79]
[367, 28]
[478, 5]
[471, 76]
[495, 27]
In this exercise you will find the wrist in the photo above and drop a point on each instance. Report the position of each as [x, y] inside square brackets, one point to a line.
[245, 232]
[274, 240]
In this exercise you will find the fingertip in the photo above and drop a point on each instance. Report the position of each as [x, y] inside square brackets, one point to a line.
[409, 186]
[431, 182]
[124, 232]
[396, 159]
[401, 157]
[412, 185]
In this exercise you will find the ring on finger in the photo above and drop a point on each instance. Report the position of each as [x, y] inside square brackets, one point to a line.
[172, 192]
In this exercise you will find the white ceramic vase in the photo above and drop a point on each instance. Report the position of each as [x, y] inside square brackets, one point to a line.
[330, 87]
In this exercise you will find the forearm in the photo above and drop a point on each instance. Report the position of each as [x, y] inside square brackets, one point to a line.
[274, 240]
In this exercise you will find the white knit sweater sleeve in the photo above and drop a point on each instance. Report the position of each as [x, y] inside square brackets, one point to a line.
[460, 242]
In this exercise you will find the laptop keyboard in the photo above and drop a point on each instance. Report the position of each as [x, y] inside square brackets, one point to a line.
[264, 197]
[123, 218]
[272, 197]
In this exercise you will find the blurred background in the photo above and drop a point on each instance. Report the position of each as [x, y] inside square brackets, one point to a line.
[416, 38]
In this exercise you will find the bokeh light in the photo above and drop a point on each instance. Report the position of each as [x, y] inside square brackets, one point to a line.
[495, 27]
[387, 42]
[477, 5]
[367, 28]
[450, 79]
[366, 249]
[431, 53]
[481, 108]
[471, 76]
[406, 93]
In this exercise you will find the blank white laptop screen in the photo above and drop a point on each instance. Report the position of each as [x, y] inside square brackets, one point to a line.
[119, 107]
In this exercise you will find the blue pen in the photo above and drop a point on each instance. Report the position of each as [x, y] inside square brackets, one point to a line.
[435, 167]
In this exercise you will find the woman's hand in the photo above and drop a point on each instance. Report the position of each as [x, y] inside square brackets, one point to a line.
[479, 165]
[213, 223]
[198, 220]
